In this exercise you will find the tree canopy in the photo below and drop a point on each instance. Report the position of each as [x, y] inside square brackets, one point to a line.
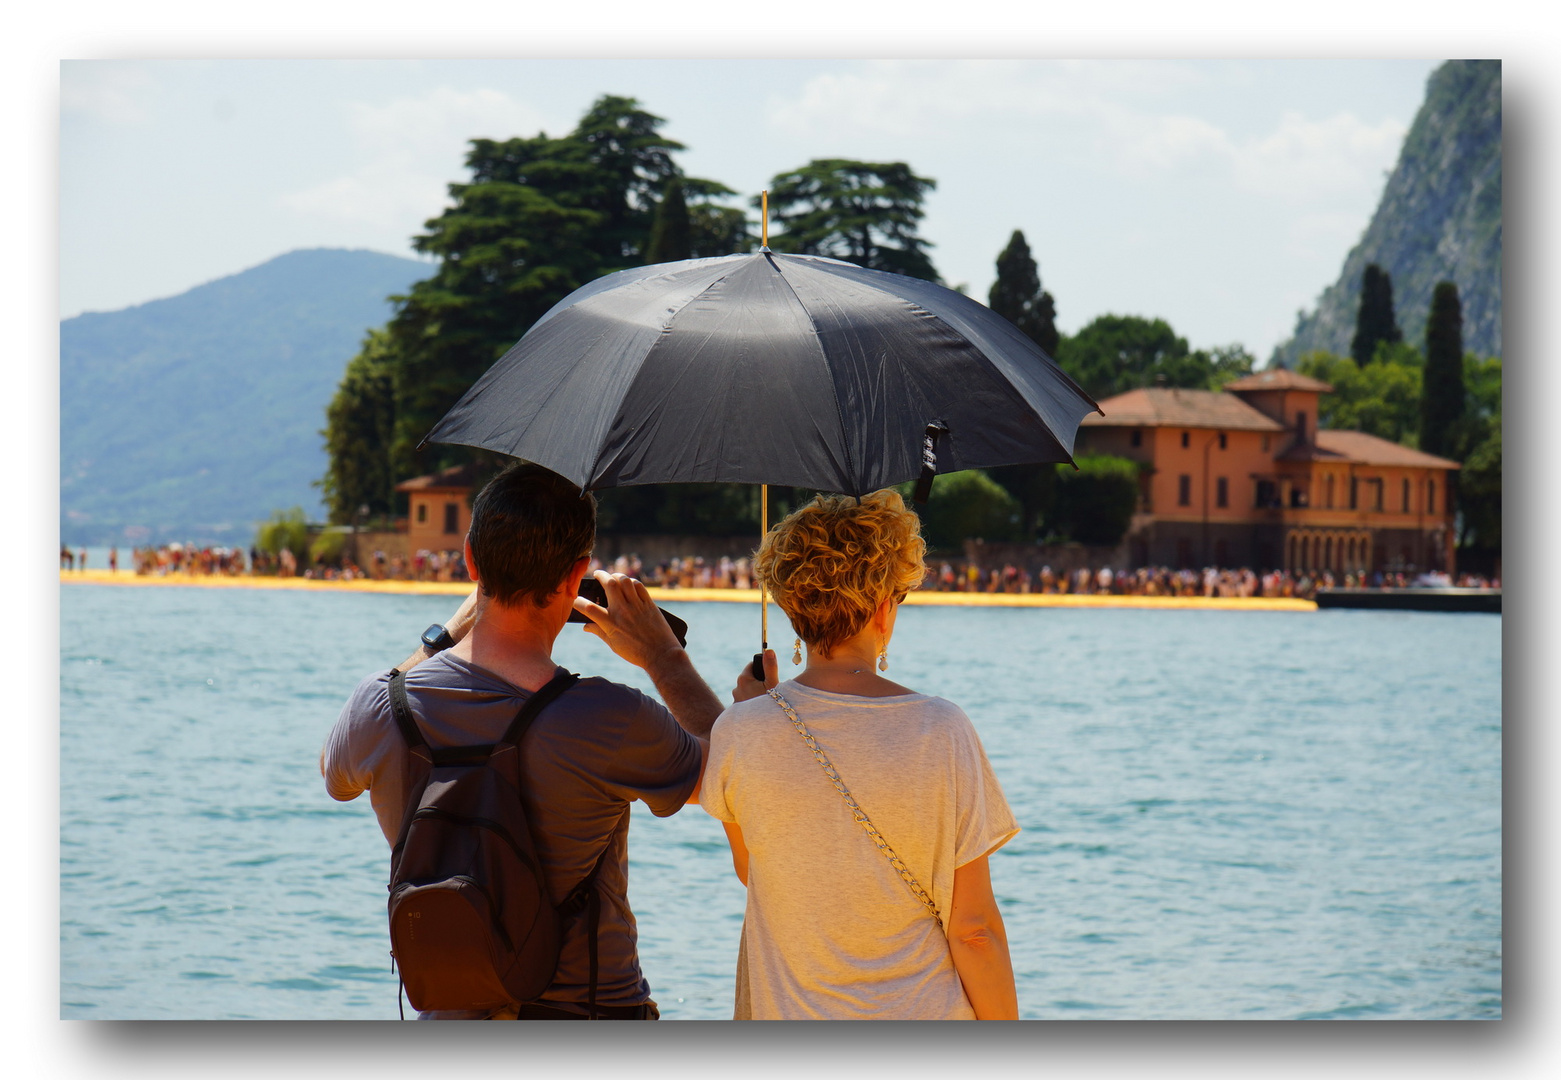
[1116, 353]
[1382, 398]
[539, 217]
[862, 212]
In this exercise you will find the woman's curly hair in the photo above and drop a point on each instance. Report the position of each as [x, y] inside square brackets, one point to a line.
[831, 563]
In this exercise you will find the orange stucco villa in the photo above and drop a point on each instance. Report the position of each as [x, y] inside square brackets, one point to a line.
[1244, 477]
[437, 509]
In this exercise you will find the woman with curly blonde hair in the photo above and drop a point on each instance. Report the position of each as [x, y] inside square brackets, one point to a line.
[860, 813]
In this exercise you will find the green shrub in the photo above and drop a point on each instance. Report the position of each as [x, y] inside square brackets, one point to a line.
[328, 547]
[966, 505]
[1095, 503]
[285, 529]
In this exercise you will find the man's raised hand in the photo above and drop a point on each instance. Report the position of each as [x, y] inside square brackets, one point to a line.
[631, 624]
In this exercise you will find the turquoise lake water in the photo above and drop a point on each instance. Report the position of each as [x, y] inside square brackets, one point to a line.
[1227, 815]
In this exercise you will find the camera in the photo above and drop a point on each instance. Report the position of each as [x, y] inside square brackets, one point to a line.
[592, 590]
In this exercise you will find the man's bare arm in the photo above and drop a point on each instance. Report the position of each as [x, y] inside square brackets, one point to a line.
[459, 626]
[633, 628]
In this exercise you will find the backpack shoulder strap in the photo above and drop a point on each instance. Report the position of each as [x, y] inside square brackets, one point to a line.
[402, 710]
[534, 706]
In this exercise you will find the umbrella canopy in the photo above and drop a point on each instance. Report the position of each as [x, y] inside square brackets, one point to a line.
[765, 368]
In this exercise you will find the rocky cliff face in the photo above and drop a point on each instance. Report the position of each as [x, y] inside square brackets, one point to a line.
[1439, 220]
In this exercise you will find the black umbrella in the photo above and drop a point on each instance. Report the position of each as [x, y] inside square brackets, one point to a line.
[768, 369]
[765, 369]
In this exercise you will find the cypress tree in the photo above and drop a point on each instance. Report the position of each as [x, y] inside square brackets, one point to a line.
[670, 233]
[1375, 322]
[1017, 296]
[1441, 400]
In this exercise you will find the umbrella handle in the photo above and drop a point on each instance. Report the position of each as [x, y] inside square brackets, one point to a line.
[757, 670]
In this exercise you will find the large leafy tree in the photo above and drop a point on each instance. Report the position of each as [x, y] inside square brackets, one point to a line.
[539, 217]
[1374, 322]
[1017, 295]
[1381, 399]
[359, 424]
[1442, 406]
[1116, 353]
[863, 212]
[1095, 502]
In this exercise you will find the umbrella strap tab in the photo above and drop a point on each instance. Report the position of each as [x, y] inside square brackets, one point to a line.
[929, 460]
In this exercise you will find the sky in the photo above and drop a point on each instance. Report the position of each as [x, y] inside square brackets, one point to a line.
[1220, 195]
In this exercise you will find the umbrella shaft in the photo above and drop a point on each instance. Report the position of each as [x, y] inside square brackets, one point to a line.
[764, 600]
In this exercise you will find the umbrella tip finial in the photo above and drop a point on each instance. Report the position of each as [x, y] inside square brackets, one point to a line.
[764, 220]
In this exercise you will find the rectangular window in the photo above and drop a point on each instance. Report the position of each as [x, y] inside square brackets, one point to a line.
[1184, 490]
[1328, 491]
[422, 513]
[1186, 439]
[1137, 437]
[1223, 443]
[1222, 491]
[1376, 493]
[1406, 494]
[452, 518]
[1354, 493]
[1430, 496]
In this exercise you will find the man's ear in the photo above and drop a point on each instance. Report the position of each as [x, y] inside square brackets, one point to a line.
[576, 574]
[471, 563]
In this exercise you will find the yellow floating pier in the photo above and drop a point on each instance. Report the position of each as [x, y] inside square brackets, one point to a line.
[694, 596]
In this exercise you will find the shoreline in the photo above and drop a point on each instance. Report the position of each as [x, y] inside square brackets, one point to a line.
[695, 596]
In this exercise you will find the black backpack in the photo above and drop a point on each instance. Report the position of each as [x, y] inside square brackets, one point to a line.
[471, 923]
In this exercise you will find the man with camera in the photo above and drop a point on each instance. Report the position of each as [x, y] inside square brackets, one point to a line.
[591, 751]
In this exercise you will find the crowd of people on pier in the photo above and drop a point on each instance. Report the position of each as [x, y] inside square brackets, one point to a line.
[697, 572]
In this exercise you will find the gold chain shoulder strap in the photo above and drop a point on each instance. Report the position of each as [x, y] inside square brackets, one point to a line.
[856, 811]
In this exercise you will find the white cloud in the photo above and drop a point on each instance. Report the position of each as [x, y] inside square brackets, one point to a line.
[1304, 158]
[104, 90]
[1095, 112]
[409, 149]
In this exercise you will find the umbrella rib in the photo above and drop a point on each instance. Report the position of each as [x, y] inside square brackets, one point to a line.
[834, 388]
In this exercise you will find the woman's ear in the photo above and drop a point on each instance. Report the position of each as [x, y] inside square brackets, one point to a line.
[881, 615]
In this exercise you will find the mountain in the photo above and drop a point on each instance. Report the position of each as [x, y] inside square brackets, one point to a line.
[1439, 220]
[195, 416]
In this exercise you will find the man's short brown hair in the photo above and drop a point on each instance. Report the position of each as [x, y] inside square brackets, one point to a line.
[529, 526]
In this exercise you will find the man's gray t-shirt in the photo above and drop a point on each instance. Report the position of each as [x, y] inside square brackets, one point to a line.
[590, 753]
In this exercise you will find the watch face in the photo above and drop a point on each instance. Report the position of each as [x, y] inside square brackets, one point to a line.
[437, 637]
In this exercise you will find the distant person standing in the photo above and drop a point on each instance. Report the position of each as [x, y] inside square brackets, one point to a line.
[67, 559]
[81, 564]
[113, 560]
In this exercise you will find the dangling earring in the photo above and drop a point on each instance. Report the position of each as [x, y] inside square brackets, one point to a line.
[796, 652]
[883, 659]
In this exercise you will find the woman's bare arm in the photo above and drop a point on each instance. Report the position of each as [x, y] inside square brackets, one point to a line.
[977, 943]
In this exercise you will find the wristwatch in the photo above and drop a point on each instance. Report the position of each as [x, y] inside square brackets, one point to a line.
[437, 639]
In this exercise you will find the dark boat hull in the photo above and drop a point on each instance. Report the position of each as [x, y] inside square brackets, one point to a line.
[1486, 601]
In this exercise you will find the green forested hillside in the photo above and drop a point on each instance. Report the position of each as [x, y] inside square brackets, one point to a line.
[192, 417]
[1439, 220]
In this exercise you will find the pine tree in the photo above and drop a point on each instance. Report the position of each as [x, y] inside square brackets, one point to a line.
[1442, 400]
[1016, 295]
[669, 232]
[1375, 322]
[862, 212]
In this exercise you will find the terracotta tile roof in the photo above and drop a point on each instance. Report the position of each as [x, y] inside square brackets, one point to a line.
[456, 477]
[1162, 406]
[1364, 449]
[1278, 379]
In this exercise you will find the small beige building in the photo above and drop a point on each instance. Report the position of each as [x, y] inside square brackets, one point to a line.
[439, 509]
